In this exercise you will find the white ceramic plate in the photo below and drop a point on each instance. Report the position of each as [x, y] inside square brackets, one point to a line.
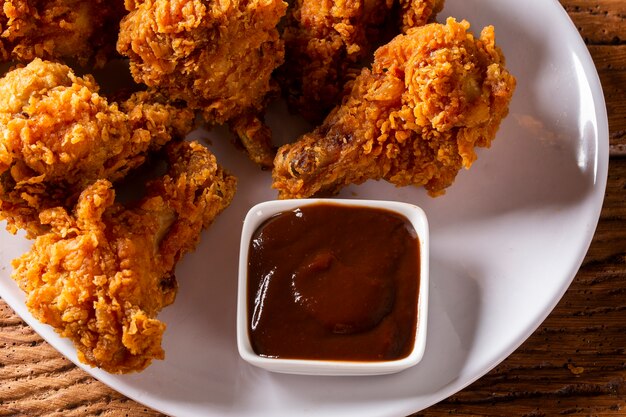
[506, 241]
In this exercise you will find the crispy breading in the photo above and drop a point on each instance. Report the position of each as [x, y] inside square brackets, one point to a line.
[84, 30]
[414, 118]
[103, 272]
[57, 135]
[217, 56]
[326, 42]
[415, 13]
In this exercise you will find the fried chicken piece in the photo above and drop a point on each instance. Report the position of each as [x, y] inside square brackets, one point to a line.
[323, 40]
[415, 13]
[84, 30]
[431, 96]
[217, 56]
[326, 41]
[57, 135]
[103, 272]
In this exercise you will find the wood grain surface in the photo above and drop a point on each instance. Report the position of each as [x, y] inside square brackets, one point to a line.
[574, 364]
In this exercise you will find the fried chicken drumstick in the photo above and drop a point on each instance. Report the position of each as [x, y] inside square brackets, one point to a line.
[217, 56]
[431, 96]
[325, 40]
[58, 135]
[104, 271]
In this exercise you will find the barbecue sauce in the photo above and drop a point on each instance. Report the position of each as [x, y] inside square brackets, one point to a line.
[333, 282]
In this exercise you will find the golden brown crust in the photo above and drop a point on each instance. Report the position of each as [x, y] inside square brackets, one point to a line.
[84, 30]
[431, 96]
[415, 13]
[59, 135]
[325, 42]
[103, 272]
[217, 56]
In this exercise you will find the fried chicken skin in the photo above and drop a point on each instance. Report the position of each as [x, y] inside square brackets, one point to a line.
[415, 13]
[431, 97]
[58, 135]
[83, 30]
[217, 56]
[103, 271]
[326, 40]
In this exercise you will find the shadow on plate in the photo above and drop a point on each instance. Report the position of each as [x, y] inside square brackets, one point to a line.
[454, 311]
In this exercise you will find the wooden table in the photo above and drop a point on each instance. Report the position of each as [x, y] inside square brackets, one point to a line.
[574, 364]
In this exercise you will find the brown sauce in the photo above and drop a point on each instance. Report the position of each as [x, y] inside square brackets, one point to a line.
[333, 282]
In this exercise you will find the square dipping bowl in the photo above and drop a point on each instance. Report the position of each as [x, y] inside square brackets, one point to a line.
[256, 217]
